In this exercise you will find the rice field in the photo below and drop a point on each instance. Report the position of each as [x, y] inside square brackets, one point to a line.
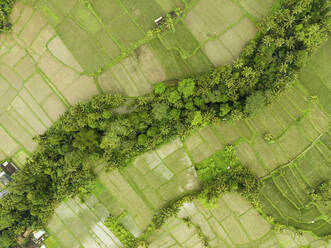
[63, 52]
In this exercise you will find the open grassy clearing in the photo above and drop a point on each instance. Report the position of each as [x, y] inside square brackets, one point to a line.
[37, 98]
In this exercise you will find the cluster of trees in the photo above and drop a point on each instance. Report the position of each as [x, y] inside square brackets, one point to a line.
[5, 10]
[203, 237]
[223, 172]
[61, 165]
[220, 173]
[117, 228]
[322, 194]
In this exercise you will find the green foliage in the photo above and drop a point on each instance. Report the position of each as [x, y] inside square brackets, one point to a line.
[159, 88]
[174, 97]
[223, 173]
[254, 103]
[6, 240]
[142, 139]
[197, 118]
[224, 109]
[269, 138]
[86, 140]
[160, 111]
[5, 10]
[204, 239]
[313, 98]
[116, 227]
[61, 166]
[168, 211]
[6, 221]
[186, 87]
[322, 194]
[324, 191]
[218, 174]
[219, 162]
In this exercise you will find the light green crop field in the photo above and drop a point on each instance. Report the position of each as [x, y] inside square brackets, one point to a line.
[61, 52]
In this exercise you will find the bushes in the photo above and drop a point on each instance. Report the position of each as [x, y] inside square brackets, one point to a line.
[170, 210]
[218, 174]
[5, 10]
[61, 165]
[322, 194]
[203, 238]
[223, 173]
[6, 240]
[127, 239]
[254, 103]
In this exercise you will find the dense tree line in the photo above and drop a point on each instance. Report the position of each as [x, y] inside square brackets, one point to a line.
[322, 194]
[61, 165]
[223, 172]
[219, 174]
[117, 228]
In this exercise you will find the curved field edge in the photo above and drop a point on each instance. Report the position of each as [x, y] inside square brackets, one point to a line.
[220, 168]
[194, 118]
[296, 189]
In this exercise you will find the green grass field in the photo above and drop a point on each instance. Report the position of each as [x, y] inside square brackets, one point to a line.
[63, 52]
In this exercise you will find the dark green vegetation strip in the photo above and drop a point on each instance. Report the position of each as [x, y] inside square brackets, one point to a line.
[202, 236]
[322, 194]
[5, 10]
[219, 174]
[62, 164]
[127, 239]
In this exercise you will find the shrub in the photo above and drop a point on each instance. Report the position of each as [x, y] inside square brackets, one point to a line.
[224, 109]
[5, 10]
[223, 173]
[114, 224]
[254, 103]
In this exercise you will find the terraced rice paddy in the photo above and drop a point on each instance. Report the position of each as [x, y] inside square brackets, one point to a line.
[297, 159]
[62, 52]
